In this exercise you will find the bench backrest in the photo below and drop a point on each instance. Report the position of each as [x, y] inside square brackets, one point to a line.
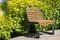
[34, 14]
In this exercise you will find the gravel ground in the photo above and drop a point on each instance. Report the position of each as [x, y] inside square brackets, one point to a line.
[44, 36]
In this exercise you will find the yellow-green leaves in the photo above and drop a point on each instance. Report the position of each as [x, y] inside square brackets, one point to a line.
[14, 17]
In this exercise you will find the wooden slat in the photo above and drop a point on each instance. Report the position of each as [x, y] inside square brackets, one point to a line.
[35, 9]
[34, 14]
[43, 22]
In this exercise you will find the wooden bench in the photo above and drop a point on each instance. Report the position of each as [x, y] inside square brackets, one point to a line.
[35, 15]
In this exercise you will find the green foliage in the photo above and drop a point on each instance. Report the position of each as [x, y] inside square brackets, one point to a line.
[14, 17]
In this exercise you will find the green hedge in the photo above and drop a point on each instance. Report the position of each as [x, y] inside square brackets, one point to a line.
[14, 18]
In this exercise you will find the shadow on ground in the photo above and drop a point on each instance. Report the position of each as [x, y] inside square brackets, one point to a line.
[30, 35]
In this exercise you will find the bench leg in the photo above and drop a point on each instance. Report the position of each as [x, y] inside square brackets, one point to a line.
[28, 26]
[53, 29]
[39, 31]
[38, 35]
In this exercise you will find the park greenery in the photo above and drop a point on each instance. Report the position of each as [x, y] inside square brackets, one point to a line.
[14, 18]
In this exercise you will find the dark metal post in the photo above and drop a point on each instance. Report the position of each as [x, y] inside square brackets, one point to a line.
[39, 30]
[52, 28]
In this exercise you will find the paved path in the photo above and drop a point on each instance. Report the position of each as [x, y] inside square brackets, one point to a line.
[44, 36]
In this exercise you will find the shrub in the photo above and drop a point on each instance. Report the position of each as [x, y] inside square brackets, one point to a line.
[14, 17]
